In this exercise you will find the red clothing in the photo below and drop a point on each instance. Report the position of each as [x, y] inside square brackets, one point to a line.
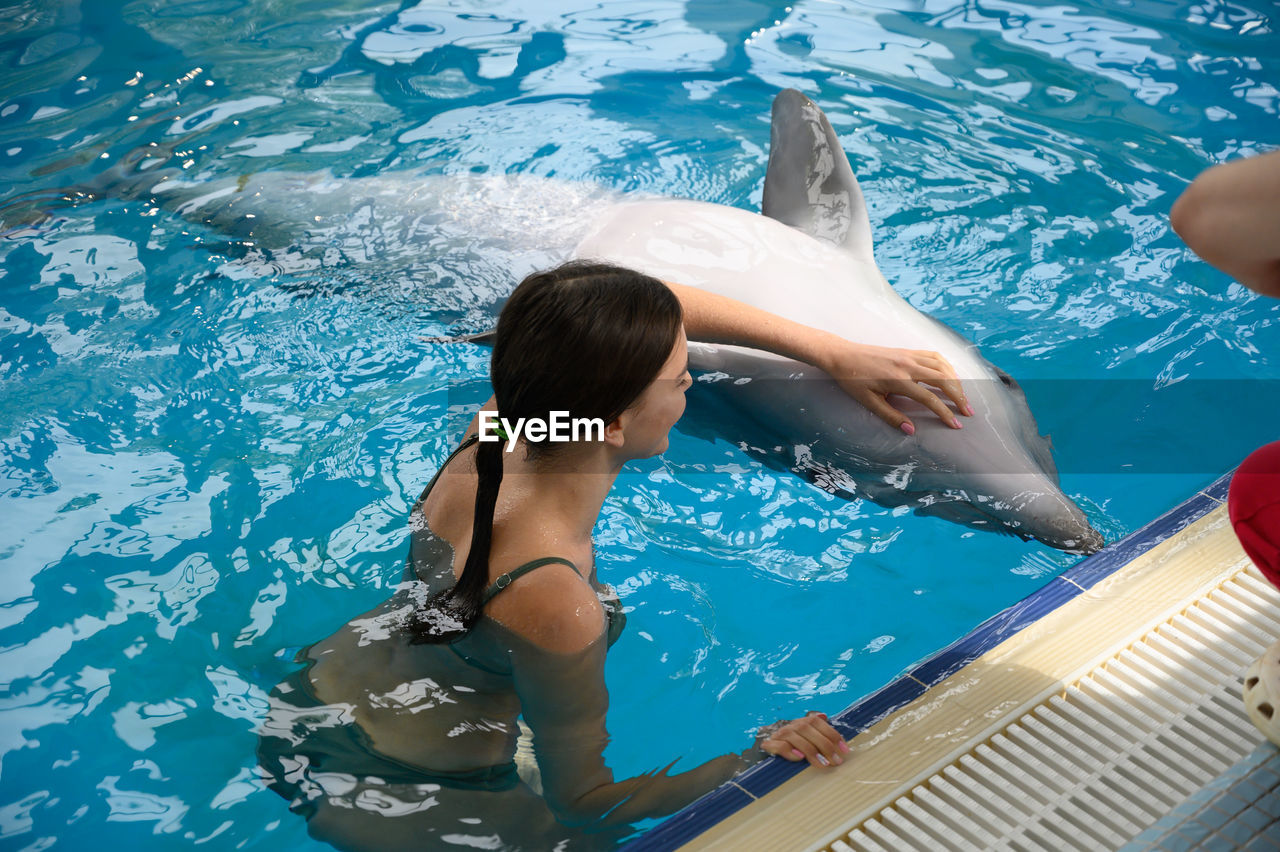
[1253, 503]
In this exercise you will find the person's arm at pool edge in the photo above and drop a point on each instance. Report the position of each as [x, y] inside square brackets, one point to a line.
[558, 674]
[1230, 217]
[869, 374]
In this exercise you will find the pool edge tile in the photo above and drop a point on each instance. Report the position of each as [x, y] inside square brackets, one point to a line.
[942, 664]
[959, 714]
[689, 822]
[770, 774]
[1089, 571]
[1217, 490]
[1003, 625]
[869, 709]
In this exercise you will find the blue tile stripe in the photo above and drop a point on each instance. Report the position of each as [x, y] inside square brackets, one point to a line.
[862, 714]
[688, 823]
[1218, 490]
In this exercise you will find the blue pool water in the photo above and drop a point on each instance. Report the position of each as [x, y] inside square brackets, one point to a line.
[208, 453]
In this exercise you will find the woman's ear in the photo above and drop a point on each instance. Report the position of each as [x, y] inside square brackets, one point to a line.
[614, 431]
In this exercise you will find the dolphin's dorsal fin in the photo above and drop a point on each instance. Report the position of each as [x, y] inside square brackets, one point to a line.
[809, 184]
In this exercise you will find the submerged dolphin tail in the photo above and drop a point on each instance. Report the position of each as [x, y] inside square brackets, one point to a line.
[25, 214]
[809, 184]
[133, 175]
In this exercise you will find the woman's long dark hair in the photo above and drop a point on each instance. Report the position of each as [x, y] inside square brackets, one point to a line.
[586, 338]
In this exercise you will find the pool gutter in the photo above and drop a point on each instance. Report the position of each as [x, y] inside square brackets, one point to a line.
[961, 697]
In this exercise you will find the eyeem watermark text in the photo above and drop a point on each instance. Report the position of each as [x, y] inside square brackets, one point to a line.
[561, 427]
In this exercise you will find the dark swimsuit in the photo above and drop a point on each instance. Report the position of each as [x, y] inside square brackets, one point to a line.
[346, 748]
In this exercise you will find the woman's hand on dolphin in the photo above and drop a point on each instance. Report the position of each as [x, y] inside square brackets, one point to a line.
[870, 374]
[810, 738]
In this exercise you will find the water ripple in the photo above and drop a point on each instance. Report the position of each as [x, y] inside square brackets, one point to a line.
[208, 448]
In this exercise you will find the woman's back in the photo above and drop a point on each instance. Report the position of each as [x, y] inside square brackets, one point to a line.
[421, 704]
[447, 707]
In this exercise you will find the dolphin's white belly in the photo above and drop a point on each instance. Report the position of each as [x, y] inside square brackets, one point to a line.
[755, 259]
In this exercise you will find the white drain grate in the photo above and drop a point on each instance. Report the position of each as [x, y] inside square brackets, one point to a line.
[1093, 766]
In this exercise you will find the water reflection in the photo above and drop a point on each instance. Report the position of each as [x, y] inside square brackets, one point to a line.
[208, 449]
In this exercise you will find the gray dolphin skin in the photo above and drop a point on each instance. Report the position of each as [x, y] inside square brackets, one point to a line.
[808, 258]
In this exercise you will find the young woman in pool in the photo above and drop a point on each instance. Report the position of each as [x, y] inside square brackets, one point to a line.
[402, 730]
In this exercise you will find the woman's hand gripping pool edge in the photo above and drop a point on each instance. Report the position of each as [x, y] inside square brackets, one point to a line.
[869, 374]
[810, 738]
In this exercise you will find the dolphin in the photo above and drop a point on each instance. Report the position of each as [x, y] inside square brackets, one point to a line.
[808, 257]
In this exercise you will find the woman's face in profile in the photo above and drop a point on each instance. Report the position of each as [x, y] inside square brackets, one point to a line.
[660, 405]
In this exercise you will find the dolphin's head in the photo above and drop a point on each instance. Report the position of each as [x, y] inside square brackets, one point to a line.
[995, 474]
[1063, 526]
[998, 472]
[1029, 506]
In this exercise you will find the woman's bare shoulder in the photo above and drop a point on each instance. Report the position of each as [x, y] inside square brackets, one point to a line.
[552, 607]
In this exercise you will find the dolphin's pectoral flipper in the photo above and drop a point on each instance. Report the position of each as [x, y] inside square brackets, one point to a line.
[809, 184]
[484, 338]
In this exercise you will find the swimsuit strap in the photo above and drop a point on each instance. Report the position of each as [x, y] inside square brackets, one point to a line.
[467, 443]
[506, 579]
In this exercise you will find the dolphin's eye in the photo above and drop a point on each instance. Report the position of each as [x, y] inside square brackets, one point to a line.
[1006, 379]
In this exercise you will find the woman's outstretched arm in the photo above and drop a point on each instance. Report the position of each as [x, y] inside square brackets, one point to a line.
[869, 374]
[1230, 216]
[558, 670]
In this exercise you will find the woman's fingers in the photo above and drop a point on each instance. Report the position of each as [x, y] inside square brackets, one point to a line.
[937, 371]
[875, 402]
[786, 744]
[930, 400]
[830, 738]
[870, 374]
[953, 389]
[936, 360]
[811, 738]
[803, 748]
[825, 745]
